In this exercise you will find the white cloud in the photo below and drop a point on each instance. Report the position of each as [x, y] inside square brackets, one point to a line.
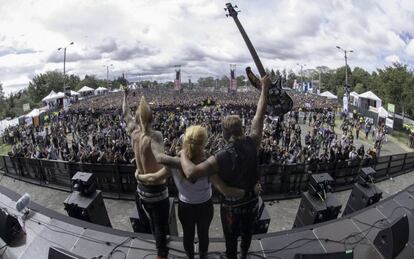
[148, 37]
[392, 59]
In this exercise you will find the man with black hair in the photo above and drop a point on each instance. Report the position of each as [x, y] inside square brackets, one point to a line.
[236, 164]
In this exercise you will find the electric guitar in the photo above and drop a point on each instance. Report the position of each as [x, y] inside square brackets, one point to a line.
[279, 101]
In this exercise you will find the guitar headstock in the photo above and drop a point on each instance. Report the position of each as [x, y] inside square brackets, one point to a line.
[232, 10]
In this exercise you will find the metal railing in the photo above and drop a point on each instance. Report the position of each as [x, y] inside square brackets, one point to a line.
[278, 181]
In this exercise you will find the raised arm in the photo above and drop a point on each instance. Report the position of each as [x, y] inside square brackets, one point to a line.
[157, 147]
[125, 112]
[257, 123]
[193, 172]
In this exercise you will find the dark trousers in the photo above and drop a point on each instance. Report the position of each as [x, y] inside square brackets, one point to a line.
[158, 213]
[199, 215]
[238, 221]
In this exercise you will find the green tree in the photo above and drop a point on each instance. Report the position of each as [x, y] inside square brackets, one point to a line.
[1, 92]
[397, 86]
[241, 80]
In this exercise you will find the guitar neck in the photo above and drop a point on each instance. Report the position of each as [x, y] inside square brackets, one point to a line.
[249, 44]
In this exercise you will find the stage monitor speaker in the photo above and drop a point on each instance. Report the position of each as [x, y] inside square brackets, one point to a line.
[10, 229]
[361, 197]
[313, 210]
[59, 253]
[393, 239]
[90, 208]
[337, 255]
[263, 219]
[140, 222]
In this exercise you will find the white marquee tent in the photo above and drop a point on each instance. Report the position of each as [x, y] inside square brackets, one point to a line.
[328, 95]
[85, 89]
[369, 99]
[73, 93]
[101, 90]
[49, 97]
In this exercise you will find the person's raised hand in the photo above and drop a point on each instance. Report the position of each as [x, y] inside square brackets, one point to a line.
[266, 83]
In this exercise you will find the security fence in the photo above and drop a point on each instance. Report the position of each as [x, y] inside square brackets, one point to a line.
[278, 181]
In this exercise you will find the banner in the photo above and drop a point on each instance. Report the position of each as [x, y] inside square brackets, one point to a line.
[26, 107]
[345, 104]
[389, 123]
[233, 81]
[177, 81]
[391, 108]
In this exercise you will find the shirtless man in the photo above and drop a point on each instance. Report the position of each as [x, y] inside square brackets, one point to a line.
[154, 196]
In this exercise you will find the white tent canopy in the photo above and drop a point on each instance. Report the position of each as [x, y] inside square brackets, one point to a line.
[354, 98]
[59, 95]
[370, 96]
[328, 95]
[49, 97]
[382, 112]
[72, 93]
[33, 113]
[101, 89]
[85, 89]
[354, 94]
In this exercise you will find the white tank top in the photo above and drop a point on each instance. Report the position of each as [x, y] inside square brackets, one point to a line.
[193, 193]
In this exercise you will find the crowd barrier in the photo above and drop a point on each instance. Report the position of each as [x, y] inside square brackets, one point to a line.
[278, 181]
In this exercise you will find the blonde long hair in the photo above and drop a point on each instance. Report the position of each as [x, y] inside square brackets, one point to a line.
[144, 115]
[195, 140]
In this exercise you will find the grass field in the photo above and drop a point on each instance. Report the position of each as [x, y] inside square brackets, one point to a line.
[401, 137]
[4, 149]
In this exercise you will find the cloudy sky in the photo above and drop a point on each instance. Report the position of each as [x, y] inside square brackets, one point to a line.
[146, 38]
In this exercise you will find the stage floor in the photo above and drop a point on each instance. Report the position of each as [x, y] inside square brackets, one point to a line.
[282, 212]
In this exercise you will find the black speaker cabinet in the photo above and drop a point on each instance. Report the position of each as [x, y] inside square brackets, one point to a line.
[59, 253]
[10, 229]
[89, 208]
[140, 222]
[393, 239]
[313, 210]
[263, 219]
[362, 197]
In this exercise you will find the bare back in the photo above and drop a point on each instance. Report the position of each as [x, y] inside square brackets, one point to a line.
[145, 159]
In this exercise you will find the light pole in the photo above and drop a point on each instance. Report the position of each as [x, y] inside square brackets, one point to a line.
[301, 73]
[64, 64]
[346, 64]
[107, 74]
[347, 88]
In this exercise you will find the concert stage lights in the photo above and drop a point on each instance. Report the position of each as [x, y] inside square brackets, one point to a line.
[364, 193]
[318, 204]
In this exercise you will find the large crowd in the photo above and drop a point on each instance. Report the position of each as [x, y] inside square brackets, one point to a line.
[93, 130]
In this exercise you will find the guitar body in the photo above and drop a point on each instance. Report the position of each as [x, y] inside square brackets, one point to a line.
[279, 101]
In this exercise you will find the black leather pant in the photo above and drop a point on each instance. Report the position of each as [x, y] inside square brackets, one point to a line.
[192, 215]
[238, 221]
[158, 213]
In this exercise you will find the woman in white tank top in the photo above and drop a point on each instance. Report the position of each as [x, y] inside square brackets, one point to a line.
[195, 207]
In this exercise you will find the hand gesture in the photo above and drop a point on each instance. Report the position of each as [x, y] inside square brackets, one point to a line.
[124, 89]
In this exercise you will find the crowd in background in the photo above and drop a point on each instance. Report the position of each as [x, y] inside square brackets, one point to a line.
[93, 131]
